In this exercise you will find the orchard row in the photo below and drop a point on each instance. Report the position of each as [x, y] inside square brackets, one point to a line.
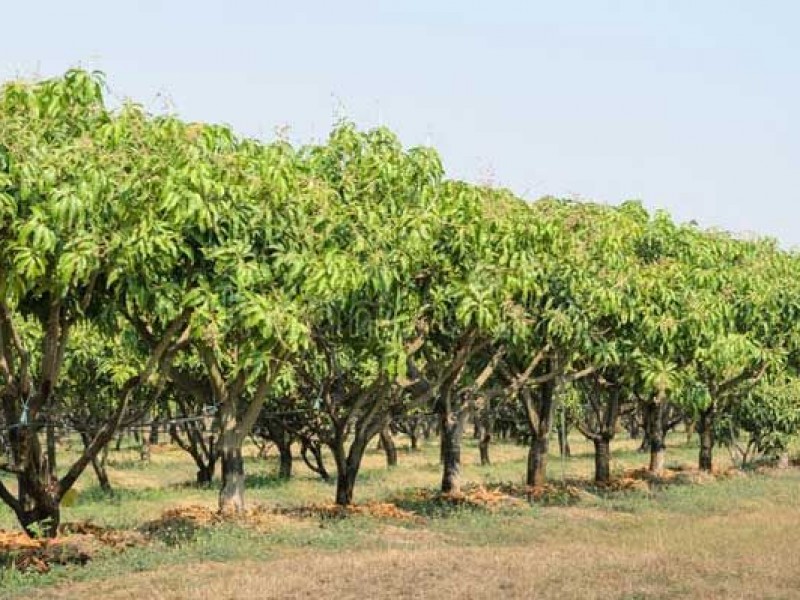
[151, 266]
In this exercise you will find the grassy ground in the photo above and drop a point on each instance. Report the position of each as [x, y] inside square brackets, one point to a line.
[729, 538]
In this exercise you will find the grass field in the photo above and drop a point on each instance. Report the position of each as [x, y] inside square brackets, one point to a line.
[734, 537]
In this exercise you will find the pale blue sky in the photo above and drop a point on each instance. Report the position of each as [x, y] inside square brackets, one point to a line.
[688, 105]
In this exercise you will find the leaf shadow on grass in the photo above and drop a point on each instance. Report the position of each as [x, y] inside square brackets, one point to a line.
[179, 531]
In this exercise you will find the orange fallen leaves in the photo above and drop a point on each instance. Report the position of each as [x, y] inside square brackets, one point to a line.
[258, 516]
[479, 496]
[378, 510]
[75, 544]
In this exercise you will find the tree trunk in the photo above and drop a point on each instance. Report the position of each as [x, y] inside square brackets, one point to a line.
[426, 429]
[346, 474]
[414, 441]
[231, 494]
[389, 447]
[705, 427]
[654, 415]
[205, 474]
[318, 465]
[285, 456]
[51, 450]
[98, 465]
[345, 484]
[347, 466]
[39, 493]
[37, 503]
[602, 460]
[202, 451]
[153, 438]
[206, 468]
[452, 425]
[102, 476]
[537, 461]
[633, 428]
[658, 457]
[539, 430]
[483, 447]
[41, 513]
[278, 433]
[563, 443]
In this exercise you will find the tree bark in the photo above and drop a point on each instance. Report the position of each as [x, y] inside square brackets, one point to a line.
[705, 428]
[41, 514]
[153, 437]
[102, 475]
[347, 467]
[654, 416]
[345, 485]
[318, 465]
[633, 428]
[201, 450]
[537, 461]
[37, 501]
[563, 443]
[205, 474]
[279, 434]
[51, 450]
[600, 425]
[285, 457]
[452, 425]
[389, 447]
[98, 465]
[658, 457]
[483, 447]
[231, 494]
[602, 460]
[540, 414]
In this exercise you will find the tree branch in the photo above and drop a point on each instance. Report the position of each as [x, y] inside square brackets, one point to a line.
[9, 499]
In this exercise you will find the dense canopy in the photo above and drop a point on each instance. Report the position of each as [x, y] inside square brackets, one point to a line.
[328, 294]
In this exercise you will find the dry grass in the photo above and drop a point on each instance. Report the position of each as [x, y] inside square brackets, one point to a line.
[739, 555]
[672, 538]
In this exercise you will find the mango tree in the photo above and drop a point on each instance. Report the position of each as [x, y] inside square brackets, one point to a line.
[359, 281]
[64, 215]
[468, 312]
[737, 328]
